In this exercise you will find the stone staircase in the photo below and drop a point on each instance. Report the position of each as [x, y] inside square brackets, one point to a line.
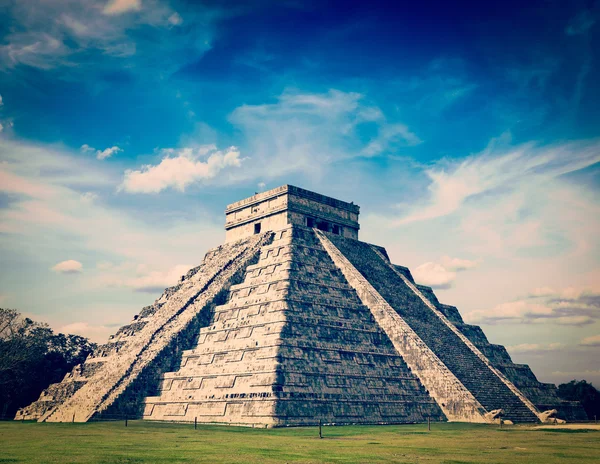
[337, 361]
[543, 395]
[466, 365]
[292, 345]
[119, 374]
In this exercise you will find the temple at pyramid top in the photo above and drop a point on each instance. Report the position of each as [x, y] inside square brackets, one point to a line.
[289, 205]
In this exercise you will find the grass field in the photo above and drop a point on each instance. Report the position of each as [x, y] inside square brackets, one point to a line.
[110, 442]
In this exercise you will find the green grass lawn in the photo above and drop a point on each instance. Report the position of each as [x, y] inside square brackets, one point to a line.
[159, 442]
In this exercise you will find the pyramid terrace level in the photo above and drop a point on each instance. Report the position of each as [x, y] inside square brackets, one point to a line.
[289, 205]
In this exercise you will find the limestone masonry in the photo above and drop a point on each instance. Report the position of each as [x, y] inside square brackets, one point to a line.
[294, 320]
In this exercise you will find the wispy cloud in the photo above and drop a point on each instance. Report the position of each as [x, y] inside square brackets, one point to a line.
[391, 135]
[143, 280]
[452, 183]
[441, 84]
[175, 19]
[83, 35]
[306, 132]
[580, 23]
[594, 340]
[567, 307]
[458, 264]
[115, 7]
[535, 347]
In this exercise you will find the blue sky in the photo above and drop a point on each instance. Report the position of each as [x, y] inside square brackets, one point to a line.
[468, 133]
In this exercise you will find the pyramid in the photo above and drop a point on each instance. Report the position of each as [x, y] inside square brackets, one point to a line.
[292, 321]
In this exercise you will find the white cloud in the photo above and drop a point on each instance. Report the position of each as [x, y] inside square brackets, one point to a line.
[68, 267]
[100, 154]
[175, 19]
[107, 152]
[441, 275]
[434, 275]
[1, 127]
[594, 340]
[535, 347]
[567, 293]
[89, 197]
[181, 168]
[574, 293]
[1, 101]
[457, 264]
[115, 7]
[570, 320]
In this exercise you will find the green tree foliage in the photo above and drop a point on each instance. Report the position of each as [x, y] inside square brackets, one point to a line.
[32, 357]
[585, 393]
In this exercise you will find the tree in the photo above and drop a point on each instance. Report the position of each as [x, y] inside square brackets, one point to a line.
[585, 393]
[32, 357]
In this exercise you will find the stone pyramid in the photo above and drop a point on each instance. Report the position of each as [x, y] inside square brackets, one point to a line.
[294, 320]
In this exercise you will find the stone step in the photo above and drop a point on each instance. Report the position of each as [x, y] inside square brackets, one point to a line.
[486, 386]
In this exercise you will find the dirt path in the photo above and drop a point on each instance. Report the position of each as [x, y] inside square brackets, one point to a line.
[570, 426]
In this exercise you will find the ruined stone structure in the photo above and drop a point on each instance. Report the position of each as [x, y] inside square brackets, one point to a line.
[294, 320]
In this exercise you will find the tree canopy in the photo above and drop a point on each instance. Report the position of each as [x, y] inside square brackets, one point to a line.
[585, 393]
[32, 357]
